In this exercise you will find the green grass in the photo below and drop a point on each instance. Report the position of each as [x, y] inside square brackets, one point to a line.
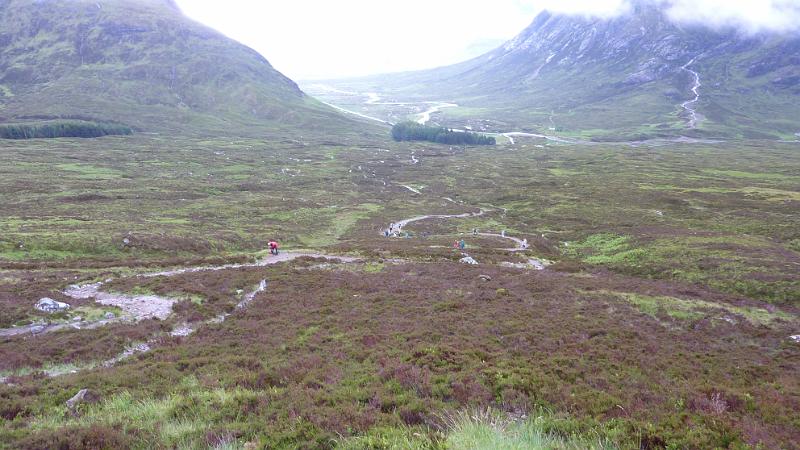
[487, 429]
[750, 175]
[177, 422]
[683, 309]
[608, 249]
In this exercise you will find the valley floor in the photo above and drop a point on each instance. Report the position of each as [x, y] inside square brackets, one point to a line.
[666, 313]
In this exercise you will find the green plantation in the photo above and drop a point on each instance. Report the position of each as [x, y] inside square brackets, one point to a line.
[61, 128]
[412, 131]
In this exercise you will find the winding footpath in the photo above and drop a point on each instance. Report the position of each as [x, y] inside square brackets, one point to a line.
[399, 225]
[521, 245]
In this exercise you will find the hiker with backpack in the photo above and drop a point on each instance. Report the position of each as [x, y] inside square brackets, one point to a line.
[273, 247]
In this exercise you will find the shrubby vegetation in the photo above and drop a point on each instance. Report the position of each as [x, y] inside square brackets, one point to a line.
[62, 128]
[412, 131]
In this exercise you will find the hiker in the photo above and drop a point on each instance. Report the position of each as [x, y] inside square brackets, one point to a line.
[503, 233]
[474, 231]
[455, 245]
[462, 245]
[386, 233]
[524, 243]
[273, 248]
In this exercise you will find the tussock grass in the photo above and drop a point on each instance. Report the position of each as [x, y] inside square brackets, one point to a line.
[484, 429]
[179, 420]
[481, 429]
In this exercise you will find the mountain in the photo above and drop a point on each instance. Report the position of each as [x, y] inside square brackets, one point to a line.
[141, 63]
[631, 76]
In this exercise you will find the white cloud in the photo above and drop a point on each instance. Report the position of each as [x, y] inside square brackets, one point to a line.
[323, 38]
[327, 39]
[751, 16]
[594, 8]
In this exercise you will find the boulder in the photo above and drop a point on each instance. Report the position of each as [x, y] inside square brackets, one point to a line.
[110, 315]
[83, 396]
[469, 260]
[51, 306]
[485, 277]
[795, 338]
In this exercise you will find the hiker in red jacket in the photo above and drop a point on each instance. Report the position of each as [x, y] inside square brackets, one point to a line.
[273, 247]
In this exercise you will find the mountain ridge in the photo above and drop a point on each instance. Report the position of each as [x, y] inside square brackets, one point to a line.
[630, 76]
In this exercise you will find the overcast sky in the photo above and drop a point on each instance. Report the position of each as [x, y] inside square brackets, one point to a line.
[308, 39]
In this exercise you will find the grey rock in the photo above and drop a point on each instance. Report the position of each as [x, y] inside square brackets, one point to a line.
[110, 315]
[469, 260]
[50, 306]
[84, 396]
[485, 277]
[36, 329]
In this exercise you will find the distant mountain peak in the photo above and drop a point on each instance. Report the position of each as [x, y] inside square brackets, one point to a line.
[635, 75]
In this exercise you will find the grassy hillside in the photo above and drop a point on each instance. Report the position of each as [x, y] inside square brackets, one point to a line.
[663, 321]
[143, 64]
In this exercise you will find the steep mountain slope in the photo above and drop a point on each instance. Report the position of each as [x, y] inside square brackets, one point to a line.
[142, 63]
[633, 76]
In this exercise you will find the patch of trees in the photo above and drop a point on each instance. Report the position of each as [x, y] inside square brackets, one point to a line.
[62, 128]
[412, 131]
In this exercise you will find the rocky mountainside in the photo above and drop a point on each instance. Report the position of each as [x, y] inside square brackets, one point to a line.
[141, 63]
[636, 75]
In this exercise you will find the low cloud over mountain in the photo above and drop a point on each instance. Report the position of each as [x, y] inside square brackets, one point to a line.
[749, 16]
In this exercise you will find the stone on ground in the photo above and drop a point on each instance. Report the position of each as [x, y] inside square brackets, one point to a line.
[51, 306]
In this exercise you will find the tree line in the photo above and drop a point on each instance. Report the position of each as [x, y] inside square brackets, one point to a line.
[56, 129]
[413, 131]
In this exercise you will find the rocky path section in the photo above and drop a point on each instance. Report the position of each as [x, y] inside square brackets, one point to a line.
[272, 259]
[181, 330]
[41, 328]
[140, 307]
[521, 244]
